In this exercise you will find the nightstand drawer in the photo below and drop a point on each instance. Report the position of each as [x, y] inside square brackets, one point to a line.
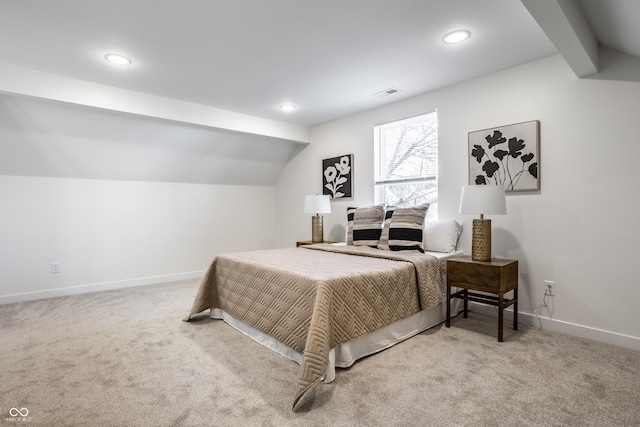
[476, 275]
[495, 275]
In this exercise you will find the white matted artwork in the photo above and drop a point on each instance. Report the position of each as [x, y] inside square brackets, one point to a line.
[337, 174]
[506, 155]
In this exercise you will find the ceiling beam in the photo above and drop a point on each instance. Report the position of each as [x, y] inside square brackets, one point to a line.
[16, 80]
[567, 28]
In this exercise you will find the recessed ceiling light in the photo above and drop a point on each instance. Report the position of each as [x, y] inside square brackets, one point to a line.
[457, 36]
[287, 107]
[116, 58]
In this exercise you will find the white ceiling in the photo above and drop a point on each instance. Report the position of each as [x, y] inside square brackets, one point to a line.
[328, 57]
[248, 56]
[615, 23]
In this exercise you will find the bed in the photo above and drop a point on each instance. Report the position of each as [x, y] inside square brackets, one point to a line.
[325, 306]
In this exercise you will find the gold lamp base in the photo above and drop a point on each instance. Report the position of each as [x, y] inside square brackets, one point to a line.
[317, 232]
[481, 240]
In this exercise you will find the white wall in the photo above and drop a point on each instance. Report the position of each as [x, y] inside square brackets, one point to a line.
[577, 230]
[108, 234]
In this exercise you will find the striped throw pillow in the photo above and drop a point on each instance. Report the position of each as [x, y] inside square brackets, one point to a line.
[350, 213]
[404, 229]
[364, 225]
[384, 236]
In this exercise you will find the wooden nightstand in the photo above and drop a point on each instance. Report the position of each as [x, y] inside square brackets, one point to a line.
[309, 242]
[498, 276]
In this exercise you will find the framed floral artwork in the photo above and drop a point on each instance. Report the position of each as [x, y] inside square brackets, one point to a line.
[506, 155]
[337, 174]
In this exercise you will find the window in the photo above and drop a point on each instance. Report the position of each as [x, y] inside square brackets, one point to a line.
[406, 156]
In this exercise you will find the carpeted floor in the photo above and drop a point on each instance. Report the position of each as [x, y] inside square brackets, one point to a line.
[126, 358]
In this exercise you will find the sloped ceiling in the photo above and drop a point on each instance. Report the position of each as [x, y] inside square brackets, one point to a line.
[45, 138]
[199, 103]
[615, 24]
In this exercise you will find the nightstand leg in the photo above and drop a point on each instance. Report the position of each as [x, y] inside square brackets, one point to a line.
[466, 303]
[515, 310]
[447, 323]
[500, 315]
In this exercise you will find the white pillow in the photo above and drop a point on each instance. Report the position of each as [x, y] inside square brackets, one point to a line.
[442, 236]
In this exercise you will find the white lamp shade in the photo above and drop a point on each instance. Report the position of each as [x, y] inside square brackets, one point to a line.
[317, 204]
[483, 199]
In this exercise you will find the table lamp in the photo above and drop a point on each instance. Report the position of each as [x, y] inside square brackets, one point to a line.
[317, 204]
[483, 200]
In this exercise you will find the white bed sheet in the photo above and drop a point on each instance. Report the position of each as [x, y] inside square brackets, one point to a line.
[348, 353]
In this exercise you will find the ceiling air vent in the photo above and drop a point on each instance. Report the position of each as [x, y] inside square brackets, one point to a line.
[386, 92]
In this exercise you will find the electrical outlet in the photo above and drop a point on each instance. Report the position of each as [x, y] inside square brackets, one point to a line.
[55, 267]
[550, 287]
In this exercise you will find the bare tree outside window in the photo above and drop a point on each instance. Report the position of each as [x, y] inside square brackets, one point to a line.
[407, 163]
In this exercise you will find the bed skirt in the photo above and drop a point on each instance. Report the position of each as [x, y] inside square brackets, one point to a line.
[346, 354]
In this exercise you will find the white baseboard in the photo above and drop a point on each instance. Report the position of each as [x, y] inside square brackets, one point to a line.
[94, 287]
[568, 328]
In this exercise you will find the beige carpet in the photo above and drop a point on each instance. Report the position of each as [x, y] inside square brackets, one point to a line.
[125, 358]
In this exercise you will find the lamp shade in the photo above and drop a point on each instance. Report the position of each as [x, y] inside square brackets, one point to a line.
[317, 204]
[483, 199]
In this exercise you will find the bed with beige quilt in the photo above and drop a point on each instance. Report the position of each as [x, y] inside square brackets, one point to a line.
[320, 304]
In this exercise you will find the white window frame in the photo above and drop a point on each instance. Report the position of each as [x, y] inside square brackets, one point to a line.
[381, 180]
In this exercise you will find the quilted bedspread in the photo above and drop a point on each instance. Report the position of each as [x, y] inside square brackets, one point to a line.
[313, 298]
